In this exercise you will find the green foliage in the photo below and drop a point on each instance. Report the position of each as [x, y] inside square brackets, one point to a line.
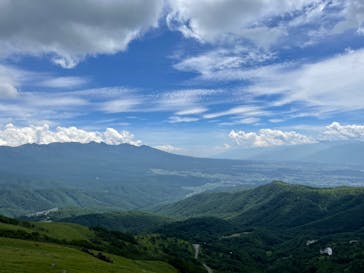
[274, 205]
[265, 229]
[131, 221]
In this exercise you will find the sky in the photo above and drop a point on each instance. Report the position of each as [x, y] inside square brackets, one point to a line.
[190, 77]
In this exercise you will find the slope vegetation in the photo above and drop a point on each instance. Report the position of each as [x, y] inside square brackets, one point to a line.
[274, 205]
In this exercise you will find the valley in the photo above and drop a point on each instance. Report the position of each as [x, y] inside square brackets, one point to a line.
[100, 177]
[274, 228]
[138, 209]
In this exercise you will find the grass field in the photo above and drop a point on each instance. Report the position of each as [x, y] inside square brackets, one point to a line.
[19, 256]
[64, 231]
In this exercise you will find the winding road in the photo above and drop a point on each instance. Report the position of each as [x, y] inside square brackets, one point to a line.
[197, 248]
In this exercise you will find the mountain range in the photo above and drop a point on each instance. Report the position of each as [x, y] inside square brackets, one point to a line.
[105, 177]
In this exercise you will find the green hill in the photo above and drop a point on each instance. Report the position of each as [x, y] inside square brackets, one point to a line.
[273, 205]
[21, 256]
[269, 229]
[66, 247]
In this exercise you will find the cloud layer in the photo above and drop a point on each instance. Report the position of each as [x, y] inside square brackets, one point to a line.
[168, 148]
[68, 31]
[215, 20]
[337, 131]
[270, 137]
[11, 135]
[71, 30]
[330, 85]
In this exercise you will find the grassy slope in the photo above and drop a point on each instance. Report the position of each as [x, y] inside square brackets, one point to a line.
[65, 231]
[19, 256]
[59, 231]
[61, 243]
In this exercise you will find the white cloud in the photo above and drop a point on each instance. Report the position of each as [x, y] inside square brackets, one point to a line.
[178, 119]
[332, 84]
[7, 90]
[191, 111]
[121, 105]
[216, 20]
[181, 99]
[269, 137]
[68, 31]
[337, 131]
[233, 21]
[169, 148]
[272, 137]
[10, 79]
[251, 120]
[246, 110]
[59, 105]
[352, 12]
[182, 102]
[63, 82]
[71, 30]
[11, 135]
[237, 120]
[223, 59]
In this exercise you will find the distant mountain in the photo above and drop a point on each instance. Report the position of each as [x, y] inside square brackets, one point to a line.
[340, 152]
[95, 175]
[101, 177]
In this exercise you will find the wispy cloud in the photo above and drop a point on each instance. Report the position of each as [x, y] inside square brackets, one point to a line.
[178, 119]
[222, 20]
[121, 105]
[169, 148]
[64, 82]
[333, 84]
[192, 111]
[246, 110]
[223, 59]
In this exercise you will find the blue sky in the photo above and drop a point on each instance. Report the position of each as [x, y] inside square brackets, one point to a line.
[192, 77]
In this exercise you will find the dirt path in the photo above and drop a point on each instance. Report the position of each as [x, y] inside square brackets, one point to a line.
[208, 269]
[197, 248]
